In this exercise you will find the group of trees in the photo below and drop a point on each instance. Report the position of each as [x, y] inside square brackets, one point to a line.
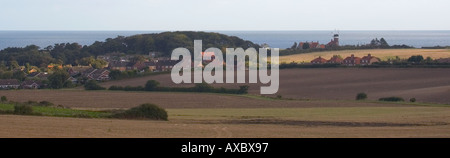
[153, 85]
[76, 54]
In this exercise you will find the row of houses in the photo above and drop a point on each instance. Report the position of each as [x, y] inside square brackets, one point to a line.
[153, 66]
[88, 72]
[349, 61]
[16, 84]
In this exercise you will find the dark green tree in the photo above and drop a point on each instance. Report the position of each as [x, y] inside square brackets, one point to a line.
[92, 85]
[57, 79]
[383, 43]
[306, 46]
[294, 46]
[416, 58]
[151, 85]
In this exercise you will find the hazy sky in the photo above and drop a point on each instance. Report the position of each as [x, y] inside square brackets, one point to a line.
[169, 15]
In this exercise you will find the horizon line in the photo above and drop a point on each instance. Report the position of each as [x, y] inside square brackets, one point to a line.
[230, 30]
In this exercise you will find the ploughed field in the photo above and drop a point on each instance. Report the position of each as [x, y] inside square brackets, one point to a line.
[424, 84]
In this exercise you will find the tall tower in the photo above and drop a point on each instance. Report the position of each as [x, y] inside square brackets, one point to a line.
[336, 39]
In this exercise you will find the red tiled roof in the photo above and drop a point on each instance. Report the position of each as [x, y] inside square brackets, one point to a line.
[336, 59]
[319, 60]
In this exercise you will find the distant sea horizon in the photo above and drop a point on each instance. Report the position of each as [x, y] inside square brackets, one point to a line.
[275, 39]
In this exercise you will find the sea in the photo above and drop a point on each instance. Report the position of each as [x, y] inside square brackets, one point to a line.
[275, 39]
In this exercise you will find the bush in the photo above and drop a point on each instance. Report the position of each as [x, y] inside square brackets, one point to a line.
[144, 111]
[21, 109]
[392, 99]
[243, 89]
[4, 99]
[151, 85]
[412, 100]
[92, 85]
[45, 103]
[31, 103]
[361, 96]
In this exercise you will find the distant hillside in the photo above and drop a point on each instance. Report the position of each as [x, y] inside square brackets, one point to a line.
[162, 43]
[166, 42]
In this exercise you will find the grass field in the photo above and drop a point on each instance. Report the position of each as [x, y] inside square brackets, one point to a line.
[383, 54]
[60, 112]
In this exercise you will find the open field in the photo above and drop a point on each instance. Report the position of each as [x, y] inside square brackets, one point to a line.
[202, 116]
[248, 123]
[383, 54]
[424, 84]
[122, 99]
[323, 106]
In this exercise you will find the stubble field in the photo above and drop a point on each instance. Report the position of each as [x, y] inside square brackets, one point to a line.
[383, 54]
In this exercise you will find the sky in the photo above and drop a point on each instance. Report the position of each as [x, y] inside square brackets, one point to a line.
[204, 15]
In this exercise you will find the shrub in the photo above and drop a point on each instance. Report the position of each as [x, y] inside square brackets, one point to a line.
[361, 96]
[4, 99]
[392, 99]
[23, 109]
[31, 103]
[116, 88]
[412, 100]
[243, 89]
[92, 85]
[45, 103]
[151, 85]
[144, 111]
[203, 87]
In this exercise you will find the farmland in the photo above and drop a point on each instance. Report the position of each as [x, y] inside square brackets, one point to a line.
[314, 103]
[254, 123]
[383, 54]
[424, 84]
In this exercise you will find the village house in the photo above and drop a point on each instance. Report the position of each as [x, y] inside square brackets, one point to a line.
[135, 66]
[352, 61]
[369, 60]
[319, 60]
[97, 74]
[30, 84]
[311, 45]
[38, 75]
[151, 66]
[118, 65]
[165, 65]
[75, 70]
[336, 60]
[9, 84]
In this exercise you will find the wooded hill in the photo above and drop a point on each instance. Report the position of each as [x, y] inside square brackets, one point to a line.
[161, 43]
